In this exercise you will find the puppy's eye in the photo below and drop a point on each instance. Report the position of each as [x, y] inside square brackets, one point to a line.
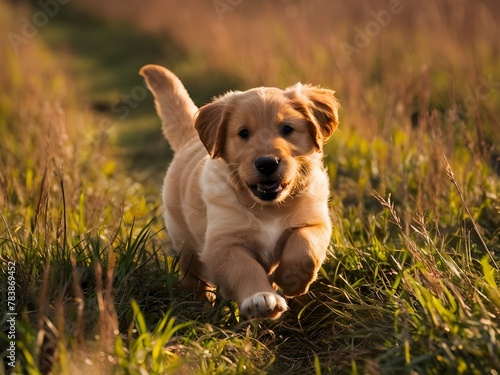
[244, 134]
[286, 129]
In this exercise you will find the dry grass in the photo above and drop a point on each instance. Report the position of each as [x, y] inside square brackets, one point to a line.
[411, 284]
[428, 55]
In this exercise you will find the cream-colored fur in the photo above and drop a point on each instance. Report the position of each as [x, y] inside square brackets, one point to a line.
[246, 196]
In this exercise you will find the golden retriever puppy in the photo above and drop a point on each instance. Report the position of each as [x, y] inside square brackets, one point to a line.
[246, 195]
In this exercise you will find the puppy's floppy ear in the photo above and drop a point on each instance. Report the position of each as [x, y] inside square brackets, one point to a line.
[320, 107]
[211, 124]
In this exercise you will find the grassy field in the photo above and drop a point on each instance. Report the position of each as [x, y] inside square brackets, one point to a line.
[411, 283]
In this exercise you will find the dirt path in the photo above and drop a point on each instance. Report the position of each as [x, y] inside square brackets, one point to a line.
[104, 57]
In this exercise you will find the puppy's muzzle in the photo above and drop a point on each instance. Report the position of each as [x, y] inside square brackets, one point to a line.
[267, 165]
[270, 185]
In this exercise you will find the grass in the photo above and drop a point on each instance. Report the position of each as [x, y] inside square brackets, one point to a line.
[411, 284]
[103, 55]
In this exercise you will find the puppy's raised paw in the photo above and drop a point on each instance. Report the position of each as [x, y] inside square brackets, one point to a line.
[263, 305]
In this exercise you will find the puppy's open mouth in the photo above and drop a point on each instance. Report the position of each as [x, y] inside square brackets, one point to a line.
[267, 190]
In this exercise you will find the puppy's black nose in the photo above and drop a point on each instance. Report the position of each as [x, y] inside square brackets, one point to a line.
[267, 165]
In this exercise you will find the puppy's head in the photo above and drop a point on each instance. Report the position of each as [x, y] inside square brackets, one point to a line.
[269, 138]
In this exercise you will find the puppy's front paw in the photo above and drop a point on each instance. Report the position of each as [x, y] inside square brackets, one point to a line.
[263, 305]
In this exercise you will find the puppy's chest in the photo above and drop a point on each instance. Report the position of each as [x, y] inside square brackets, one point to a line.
[270, 233]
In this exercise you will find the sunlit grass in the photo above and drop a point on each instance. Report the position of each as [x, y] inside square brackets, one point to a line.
[411, 282]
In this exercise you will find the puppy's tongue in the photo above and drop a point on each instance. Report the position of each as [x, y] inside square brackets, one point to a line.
[268, 187]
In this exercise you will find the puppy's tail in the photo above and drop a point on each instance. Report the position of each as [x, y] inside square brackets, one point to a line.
[173, 105]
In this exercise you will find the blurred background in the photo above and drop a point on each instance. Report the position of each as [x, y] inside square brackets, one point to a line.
[393, 63]
[408, 285]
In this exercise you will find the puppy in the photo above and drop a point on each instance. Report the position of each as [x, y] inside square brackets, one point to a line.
[246, 195]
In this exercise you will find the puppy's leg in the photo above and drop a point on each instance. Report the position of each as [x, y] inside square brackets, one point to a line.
[301, 259]
[192, 280]
[240, 277]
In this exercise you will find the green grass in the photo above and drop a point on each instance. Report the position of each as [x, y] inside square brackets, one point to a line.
[411, 284]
